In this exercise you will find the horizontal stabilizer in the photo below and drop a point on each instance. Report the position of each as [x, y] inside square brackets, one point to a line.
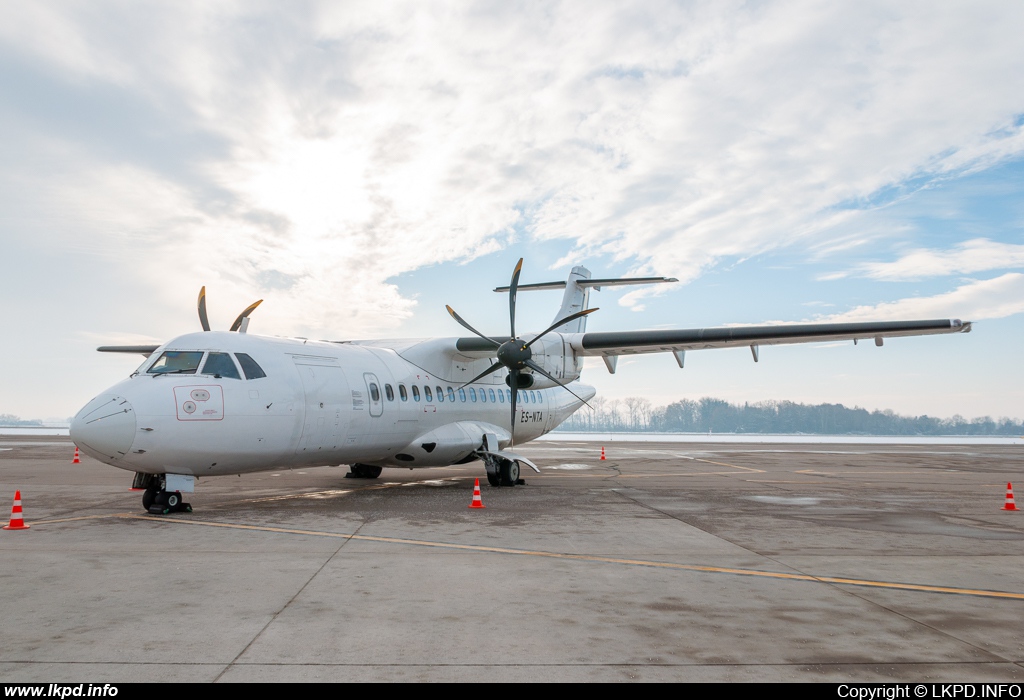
[597, 284]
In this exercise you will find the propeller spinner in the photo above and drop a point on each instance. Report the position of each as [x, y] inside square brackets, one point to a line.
[514, 354]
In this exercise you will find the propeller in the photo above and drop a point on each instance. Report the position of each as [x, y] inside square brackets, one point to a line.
[514, 354]
[204, 320]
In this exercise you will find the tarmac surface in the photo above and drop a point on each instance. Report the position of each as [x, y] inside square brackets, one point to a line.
[665, 562]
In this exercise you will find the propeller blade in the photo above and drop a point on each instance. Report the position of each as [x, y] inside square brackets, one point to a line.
[513, 380]
[512, 297]
[202, 309]
[537, 368]
[556, 324]
[248, 310]
[496, 365]
[465, 325]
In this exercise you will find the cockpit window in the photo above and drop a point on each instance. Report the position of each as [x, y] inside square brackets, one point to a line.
[177, 362]
[219, 364]
[249, 366]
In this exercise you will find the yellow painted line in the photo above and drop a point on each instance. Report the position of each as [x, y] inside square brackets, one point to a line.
[916, 471]
[570, 475]
[585, 557]
[734, 466]
[708, 461]
[647, 476]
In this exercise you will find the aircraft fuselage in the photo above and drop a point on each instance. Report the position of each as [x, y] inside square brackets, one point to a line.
[319, 403]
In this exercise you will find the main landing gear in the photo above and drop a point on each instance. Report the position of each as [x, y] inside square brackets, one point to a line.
[502, 472]
[363, 471]
[156, 499]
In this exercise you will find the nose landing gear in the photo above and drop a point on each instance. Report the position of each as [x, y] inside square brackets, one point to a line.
[156, 499]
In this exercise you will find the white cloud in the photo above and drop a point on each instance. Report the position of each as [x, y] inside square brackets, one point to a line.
[324, 149]
[976, 255]
[975, 301]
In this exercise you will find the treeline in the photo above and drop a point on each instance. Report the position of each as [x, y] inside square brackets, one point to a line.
[781, 417]
[8, 420]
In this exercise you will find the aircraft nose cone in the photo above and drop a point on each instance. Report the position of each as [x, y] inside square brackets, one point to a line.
[105, 427]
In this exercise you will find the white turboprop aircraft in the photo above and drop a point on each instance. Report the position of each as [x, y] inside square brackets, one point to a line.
[217, 403]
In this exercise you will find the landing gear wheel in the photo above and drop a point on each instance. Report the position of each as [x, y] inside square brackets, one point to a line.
[363, 471]
[493, 479]
[162, 503]
[509, 472]
[149, 497]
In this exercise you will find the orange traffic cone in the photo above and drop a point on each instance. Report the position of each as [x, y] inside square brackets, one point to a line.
[76, 460]
[17, 520]
[477, 503]
[602, 453]
[1009, 505]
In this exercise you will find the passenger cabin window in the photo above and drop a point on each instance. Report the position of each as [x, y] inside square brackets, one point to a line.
[440, 394]
[177, 362]
[501, 397]
[426, 392]
[389, 392]
[220, 364]
[491, 392]
[451, 395]
[374, 392]
[250, 369]
[462, 395]
[472, 394]
[483, 396]
[402, 394]
[415, 393]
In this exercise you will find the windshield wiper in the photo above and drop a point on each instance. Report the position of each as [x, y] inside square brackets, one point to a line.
[174, 371]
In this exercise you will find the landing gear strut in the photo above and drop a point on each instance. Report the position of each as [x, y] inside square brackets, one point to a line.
[363, 471]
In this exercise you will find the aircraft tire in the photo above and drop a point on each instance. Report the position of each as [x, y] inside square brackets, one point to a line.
[493, 479]
[173, 499]
[509, 472]
[371, 472]
[148, 498]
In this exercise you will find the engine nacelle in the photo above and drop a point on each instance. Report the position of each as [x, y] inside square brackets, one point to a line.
[556, 357]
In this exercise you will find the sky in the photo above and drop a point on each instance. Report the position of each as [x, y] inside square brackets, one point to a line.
[359, 165]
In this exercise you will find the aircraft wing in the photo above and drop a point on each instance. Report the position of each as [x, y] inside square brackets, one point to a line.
[638, 342]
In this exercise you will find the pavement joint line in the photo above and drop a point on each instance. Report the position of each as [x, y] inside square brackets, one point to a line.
[54, 521]
[537, 664]
[581, 557]
[277, 614]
